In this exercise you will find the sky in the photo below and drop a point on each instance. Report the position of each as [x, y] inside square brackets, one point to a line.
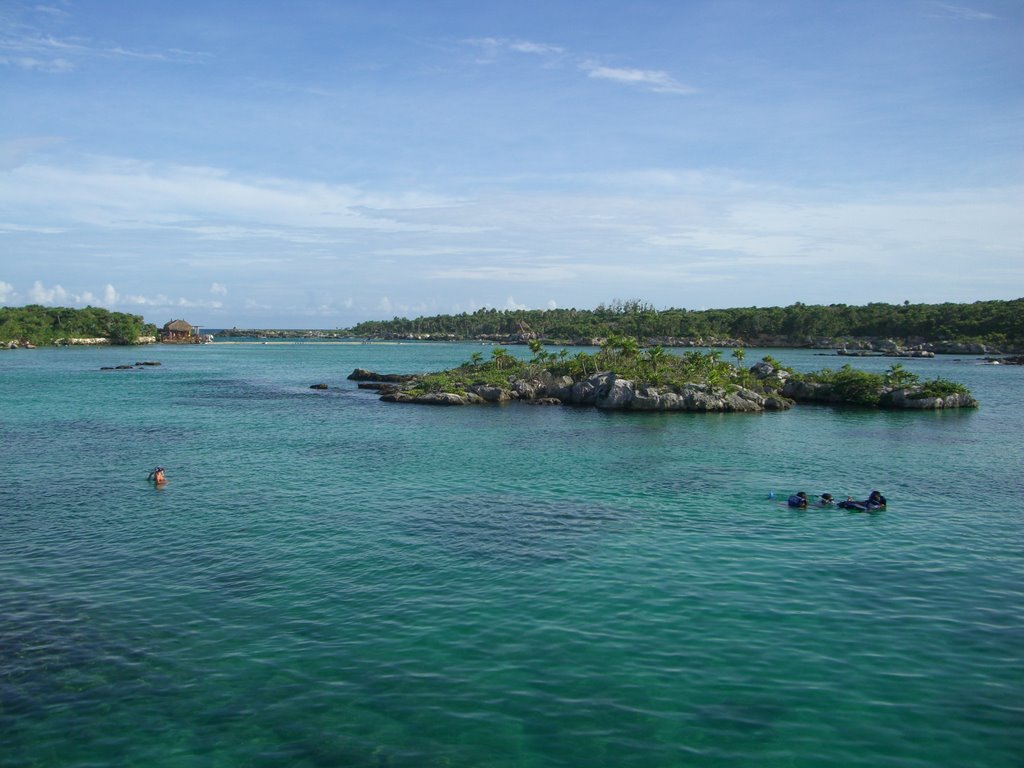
[317, 163]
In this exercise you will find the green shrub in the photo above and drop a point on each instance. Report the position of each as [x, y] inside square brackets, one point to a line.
[851, 385]
[940, 388]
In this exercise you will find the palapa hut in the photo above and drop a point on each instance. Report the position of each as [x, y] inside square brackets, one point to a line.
[180, 332]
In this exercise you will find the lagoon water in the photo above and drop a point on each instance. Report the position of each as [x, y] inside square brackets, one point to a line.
[328, 580]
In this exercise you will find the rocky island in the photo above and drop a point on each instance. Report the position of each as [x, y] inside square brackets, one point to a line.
[621, 376]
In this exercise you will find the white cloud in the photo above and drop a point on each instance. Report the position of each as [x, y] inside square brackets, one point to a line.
[511, 273]
[6, 226]
[161, 300]
[51, 11]
[7, 293]
[218, 289]
[655, 80]
[28, 47]
[50, 66]
[127, 194]
[511, 303]
[109, 297]
[13, 152]
[552, 304]
[649, 79]
[524, 46]
[39, 294]
[959, 12]
[493, 45]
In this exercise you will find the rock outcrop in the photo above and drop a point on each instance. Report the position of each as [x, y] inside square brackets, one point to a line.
[361, 374]
[899, 398]
[777, 390]
[606, 391]
[910, 398]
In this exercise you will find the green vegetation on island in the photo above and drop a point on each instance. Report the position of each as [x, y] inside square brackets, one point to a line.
[620, 355]
[38, 325]
[998, 324]
[849, 385]
[622, 375]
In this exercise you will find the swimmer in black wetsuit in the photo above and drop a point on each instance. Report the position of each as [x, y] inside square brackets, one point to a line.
[875, 501]
[798, 499]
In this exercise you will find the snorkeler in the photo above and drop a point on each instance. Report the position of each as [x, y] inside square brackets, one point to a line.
[874, 501]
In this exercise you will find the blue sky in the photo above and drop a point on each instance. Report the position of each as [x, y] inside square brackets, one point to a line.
[314, 164]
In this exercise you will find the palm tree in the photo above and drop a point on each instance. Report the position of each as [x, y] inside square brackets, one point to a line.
[501, 357]
[628, 346]
[656, 355]
[899, 377]
[580, 362]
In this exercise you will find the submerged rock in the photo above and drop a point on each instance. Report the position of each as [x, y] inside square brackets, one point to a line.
[440, 398]
[361, 374]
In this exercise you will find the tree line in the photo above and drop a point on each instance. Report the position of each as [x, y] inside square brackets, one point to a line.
[45, 325]
[999, 323]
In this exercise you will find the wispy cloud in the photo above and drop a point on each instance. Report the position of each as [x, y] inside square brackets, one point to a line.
[27, 45]
[495, 45]
[542, 49]
[161, 300]
[654, 80]
[211, 203]
[51, 11]
[959, 12]
[7, 226]
[13, 152]
[519, 273]
[389, 307]
[50, 66]
[53, 55]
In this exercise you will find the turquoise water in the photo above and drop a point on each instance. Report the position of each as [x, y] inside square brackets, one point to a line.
[328, 580]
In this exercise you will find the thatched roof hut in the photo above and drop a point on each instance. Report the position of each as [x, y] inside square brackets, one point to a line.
[177, 331]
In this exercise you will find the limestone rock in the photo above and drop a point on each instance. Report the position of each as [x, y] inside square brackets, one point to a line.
[361, 374]
[809, 392]
[616, 393]
[910, 398]
[490, 394]
[440, 398]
